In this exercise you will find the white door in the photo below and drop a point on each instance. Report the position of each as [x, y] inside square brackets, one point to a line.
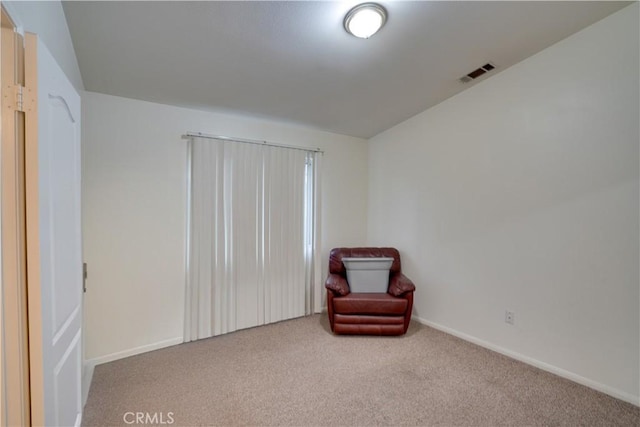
[58, 241]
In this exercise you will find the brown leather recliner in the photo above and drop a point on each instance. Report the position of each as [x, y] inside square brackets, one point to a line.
[368, 313]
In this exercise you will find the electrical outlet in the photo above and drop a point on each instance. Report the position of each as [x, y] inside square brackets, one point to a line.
[509, 317]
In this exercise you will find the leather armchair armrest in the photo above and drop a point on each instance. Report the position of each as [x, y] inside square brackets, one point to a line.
[400, 284]
[337, 284]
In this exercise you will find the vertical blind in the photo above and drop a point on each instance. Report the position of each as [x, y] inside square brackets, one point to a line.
[252, 247]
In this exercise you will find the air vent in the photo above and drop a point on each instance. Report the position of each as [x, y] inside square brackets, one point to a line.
[477, 72]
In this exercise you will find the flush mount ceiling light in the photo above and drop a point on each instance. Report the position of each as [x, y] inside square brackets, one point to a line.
[365, 20]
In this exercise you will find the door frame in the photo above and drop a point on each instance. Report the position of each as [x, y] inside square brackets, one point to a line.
[36, 359]
[21, 313]
[15, 391]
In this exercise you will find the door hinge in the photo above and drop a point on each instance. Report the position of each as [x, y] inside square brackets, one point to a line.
[17, 98]
[84, 277]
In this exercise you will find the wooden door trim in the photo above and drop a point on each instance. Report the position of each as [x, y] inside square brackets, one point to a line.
[33, 233]
[15, 354]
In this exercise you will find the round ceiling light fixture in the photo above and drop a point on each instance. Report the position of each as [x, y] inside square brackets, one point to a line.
[365, 19]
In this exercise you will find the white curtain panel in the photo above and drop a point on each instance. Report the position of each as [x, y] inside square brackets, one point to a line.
[252, 248]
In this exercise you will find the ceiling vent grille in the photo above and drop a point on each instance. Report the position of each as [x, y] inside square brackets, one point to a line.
[478, 72]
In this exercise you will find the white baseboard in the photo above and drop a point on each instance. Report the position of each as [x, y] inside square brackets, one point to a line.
[133, 351]
[618, 394]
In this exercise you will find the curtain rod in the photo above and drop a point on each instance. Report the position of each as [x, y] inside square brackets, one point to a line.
[247, 141]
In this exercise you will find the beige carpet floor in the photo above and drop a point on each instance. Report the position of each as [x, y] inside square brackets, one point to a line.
[297, 373]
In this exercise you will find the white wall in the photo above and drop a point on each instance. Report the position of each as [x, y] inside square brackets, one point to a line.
[47, 19]
[521, 193]
[134, 201]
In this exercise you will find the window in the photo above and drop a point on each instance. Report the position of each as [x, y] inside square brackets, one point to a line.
[252, 235]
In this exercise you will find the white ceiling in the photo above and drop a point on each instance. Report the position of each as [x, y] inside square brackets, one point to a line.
[293, 61]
